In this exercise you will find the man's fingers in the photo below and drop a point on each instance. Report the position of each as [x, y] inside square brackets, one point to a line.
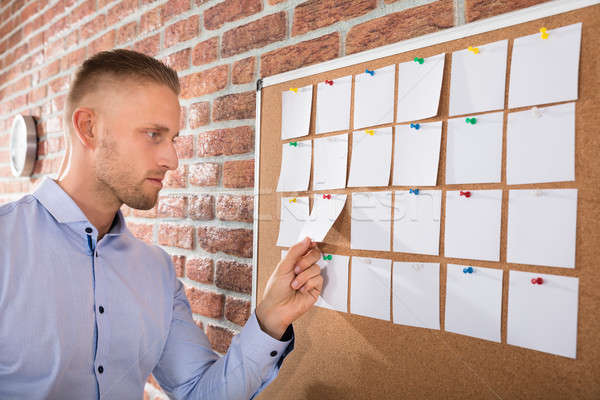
[309, 259]
[305, 276]
[314, 286]
[295, 252]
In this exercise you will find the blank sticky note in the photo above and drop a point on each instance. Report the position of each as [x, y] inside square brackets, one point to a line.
[540, 145]
[295, 166]
[331, 162]
[419, 88]
[295, 112]
[543, 317]
[416, 294]
[371, 160]
[474, 302]
[417, 154]
[474, 151]
[473, 225]
[334, 294]
[326, 210]
[477, 81]
[542, 227]
[370, 287]
[294, 213]
[417, 222]
[371, 221]
[374, 97]
[545, 70]
[333, 105]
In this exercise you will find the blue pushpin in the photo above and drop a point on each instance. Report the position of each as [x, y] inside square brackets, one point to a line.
[368, 71]
[413, 191]
[468, 270]
[415, 126]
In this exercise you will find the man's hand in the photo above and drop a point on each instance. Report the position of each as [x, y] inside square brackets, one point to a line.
[292, 289]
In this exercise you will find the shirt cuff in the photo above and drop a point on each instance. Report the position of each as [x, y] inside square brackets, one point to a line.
[263, 349]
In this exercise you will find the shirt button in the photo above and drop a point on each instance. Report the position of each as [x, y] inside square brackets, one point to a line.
[101, 369]
[273, 353]
[101, 309]
[88, 230]
[96, 254]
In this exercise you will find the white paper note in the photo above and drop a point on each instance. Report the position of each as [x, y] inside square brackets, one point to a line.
[545, 70]
[295, 166]
[416, 294]
[334, 294]
[371, 221]
[417, 154]
[417, 222]
[477, 81]
[294, 213]
[473, 225]
[371, 160]
[540, 145]
[333, 105]
[543, 317]
[370, 287]
[474, 151]
[326, 210]
[374, 97]
[295, 112]
[542, 227]
[331, 162]
[474, 302]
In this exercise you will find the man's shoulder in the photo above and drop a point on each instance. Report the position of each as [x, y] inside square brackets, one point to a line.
[17, 206]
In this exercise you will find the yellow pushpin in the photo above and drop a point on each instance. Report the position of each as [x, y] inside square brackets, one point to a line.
[293, 200]
[544, 33]
[294, 89]
[475, 50]
[370, 132]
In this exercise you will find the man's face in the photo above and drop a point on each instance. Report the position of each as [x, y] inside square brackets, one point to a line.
[137, 124]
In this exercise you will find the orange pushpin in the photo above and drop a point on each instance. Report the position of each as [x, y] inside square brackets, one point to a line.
[544, 33]
[294, 89]
[370, 132]
[474, 50]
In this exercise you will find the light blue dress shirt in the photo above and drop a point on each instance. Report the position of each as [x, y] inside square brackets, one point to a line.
[81, 319]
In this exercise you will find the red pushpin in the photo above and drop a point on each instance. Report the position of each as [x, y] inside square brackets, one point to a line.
[330, 83]
[466, 194]
[537, 280]
[327, 196]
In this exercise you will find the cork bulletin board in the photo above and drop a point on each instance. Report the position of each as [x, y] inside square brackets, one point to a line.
[346, 356]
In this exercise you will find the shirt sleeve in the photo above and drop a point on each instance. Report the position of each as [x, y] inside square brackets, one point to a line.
[190, 369]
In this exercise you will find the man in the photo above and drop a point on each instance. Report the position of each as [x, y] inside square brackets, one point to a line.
[89, 311]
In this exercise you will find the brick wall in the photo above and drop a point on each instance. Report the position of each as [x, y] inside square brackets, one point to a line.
[219, 48]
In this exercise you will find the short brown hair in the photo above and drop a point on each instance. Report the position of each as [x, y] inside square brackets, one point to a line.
[117, 64]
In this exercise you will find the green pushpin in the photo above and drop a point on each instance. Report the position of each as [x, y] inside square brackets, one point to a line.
[327, 257]
[419, 60]
[471, 121]
[295, 144]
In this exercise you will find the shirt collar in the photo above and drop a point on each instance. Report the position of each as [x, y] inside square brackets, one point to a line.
[64, 209]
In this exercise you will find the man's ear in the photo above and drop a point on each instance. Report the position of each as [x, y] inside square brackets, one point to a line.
[84, 124]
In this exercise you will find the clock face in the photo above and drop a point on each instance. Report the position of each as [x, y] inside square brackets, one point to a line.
[18, 144]
[23, 145]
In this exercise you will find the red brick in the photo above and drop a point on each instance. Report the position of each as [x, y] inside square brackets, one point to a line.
[237, 311]
[141, 231]
[178, 265]
[127, 32]
[175, 7]
[50, 70]
[151, 213]
[179, 60]
[243, 71]
[151, 20]
[36, 41]
[182, 31]
[205, 82]
[237, 242]
[184, 145]
[121, 10]
[399, 26]
[238, 174]
[56, 9]
[73, 59]
[181, 236]
[204, 174]
[149, 46]
[47, 166]
[199, 114]
[313, 51]
[235, 106]
[228, 11]
[71, 40]
[200, 270]
[51, 145]
[269, 29]
[92, 27]
[176, 178]
[479, 9]
[171, 207]
[315, 14]
[201, 207]
[235, 208]
[229, 141]
[219, 338]
[232, 275]
[205, 303]
[205, 51]
[182, 125]
[54, 49]
[104, 42]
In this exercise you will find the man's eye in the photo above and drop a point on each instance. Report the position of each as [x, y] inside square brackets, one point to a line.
[150, 133]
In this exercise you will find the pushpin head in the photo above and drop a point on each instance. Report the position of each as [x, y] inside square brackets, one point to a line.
[544, 33]
[471, 121]
[536, 112]
[468, 270]
[413, 191]
[415, 126]
[474, 50]
[370, 132]
[329, 82]
[295, 144]
[368, 71]
[294, 89]
[293, 200]
[466, 194]
[537, 281]
[327, 196]
[419, 60]
[327, 257]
